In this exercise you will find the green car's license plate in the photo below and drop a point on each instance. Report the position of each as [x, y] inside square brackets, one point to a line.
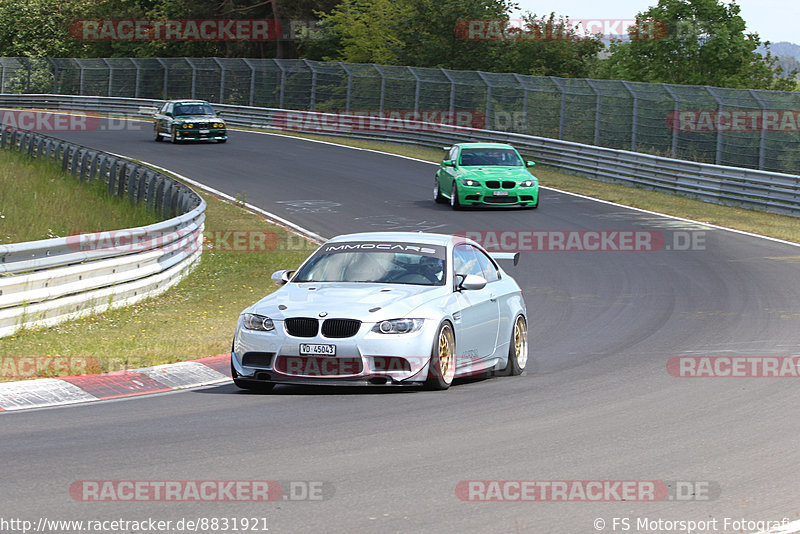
[501, 193]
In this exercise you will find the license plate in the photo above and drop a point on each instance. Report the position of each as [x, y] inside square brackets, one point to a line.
[204, 131]
[314, 349]
[501, 193]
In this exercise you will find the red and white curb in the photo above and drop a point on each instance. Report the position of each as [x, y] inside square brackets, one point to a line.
[44, 392]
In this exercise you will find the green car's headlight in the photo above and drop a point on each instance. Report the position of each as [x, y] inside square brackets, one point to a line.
[471, 183]
[398, 326]
[527, 183]
[254, 321]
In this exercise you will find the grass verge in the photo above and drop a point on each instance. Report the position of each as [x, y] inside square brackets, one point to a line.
[194, 319]
[38, 201]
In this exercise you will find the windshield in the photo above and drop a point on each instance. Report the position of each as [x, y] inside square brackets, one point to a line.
[385, 263]
[490, 156]
[193, 109]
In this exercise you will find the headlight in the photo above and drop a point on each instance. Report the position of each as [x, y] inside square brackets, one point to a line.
[253, 321]
[219, 125]
[471, 183]
[398, 326]
[527, 183]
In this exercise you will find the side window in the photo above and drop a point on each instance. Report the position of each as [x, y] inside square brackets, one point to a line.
[453, 154]
[488, 266]
[465, 261]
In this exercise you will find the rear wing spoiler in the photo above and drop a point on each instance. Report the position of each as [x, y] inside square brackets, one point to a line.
[513, 256]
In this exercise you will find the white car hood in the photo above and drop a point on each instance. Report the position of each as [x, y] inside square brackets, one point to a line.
[362, 301]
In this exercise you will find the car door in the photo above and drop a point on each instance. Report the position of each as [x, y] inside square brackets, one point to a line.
[478, 319]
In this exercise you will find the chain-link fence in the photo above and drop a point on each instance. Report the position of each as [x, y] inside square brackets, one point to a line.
[734, 127]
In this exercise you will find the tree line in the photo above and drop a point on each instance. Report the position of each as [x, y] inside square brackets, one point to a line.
[698, 42]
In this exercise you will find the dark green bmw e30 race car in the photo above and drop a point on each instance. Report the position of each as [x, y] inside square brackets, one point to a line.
[485, 174]
[188, 120]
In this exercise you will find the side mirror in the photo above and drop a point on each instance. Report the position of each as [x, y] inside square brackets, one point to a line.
[471, 282]
[448, 163]
[219, 114]
[282, 277]
[168, 113]
[529, 163]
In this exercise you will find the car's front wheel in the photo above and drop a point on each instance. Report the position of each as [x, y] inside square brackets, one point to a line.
[442, 367]
[454, 202]
[156, 133]
[438, 197]
[174, 137]
[517, 350]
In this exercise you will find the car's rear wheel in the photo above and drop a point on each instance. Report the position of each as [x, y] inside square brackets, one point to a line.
[442, 367]
[156, 133]
[517, 350]
[438, 197]
[454, 202]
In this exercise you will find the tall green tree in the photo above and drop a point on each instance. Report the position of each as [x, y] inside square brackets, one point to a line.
[551, 47]
[698, 42]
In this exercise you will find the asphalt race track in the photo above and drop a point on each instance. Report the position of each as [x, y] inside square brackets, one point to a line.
[597, 402]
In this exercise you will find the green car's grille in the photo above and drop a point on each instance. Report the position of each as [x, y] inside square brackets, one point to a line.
[496, 184]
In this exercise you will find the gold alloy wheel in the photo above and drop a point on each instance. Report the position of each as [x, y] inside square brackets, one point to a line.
[446, 358]
[521, 342]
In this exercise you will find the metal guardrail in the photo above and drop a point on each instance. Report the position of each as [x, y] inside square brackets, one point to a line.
[45, 282]
[750, 188]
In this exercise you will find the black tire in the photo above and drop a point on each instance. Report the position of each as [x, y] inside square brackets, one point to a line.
[454, 203]
[156, 134]
[517, 349]
[250, 385]
[222, 140]
[441, 371]
[437, 193]
[174, 137]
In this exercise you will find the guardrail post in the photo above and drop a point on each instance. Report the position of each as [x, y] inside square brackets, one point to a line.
[417, 87]
[383, 88]
[282, 81]
[598, 105]
[762, 144]
[720, 108]
[675, 110]
[313, 96]
[165, 89]
[252, 80]
[635, 114]
[221, 80]
[562, 113]
[349, 86]
[110, 76]
[452, 105]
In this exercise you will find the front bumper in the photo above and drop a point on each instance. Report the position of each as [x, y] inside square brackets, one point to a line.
[482, 195]
[195, 134]
[367, 358]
